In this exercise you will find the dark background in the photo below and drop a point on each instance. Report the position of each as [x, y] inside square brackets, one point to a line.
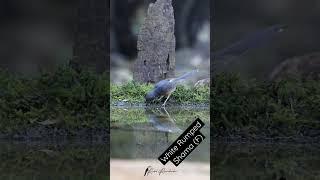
[234, 20]
[38, 35]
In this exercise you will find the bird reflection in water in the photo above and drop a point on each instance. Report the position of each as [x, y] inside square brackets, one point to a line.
[161, 120]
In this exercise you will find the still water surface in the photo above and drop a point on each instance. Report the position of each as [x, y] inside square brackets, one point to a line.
[262, 161]
[53, 160]
[139, 134]
[146, 133]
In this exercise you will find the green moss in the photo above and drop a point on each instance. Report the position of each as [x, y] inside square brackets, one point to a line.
[140, 115]
[72, 99]
[132, 92]
[135, 92]
[283, 108]
[131, 116]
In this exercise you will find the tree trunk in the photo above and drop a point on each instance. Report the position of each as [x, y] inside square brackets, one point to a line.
[156, 44]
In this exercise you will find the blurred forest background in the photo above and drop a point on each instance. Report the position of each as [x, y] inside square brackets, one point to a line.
[39, 35]
[234, 20]
[35, 34]
[192, 31]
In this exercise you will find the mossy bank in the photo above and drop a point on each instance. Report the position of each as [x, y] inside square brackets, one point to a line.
[61, 103]
[67, 102]
[134, 93]
[286, 108]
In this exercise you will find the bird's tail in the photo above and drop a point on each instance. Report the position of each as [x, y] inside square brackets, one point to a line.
[184, 76]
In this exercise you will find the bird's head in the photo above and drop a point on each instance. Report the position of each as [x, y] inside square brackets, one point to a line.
[150, 96]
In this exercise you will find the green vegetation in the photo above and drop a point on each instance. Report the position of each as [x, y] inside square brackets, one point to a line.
[64, 98]
[71, 99]
[287, 107]
[133, 92]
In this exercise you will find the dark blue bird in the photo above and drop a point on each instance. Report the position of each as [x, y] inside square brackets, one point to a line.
[166, 87]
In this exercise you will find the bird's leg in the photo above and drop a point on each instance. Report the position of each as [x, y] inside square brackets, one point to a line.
[159, 98]
[164, 104]
[168, 114]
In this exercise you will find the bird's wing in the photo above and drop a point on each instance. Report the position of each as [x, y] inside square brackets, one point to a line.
[165, 87]
[161, 83]
[253, 41]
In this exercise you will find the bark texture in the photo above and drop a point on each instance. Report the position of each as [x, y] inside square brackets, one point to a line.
[156, 44]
